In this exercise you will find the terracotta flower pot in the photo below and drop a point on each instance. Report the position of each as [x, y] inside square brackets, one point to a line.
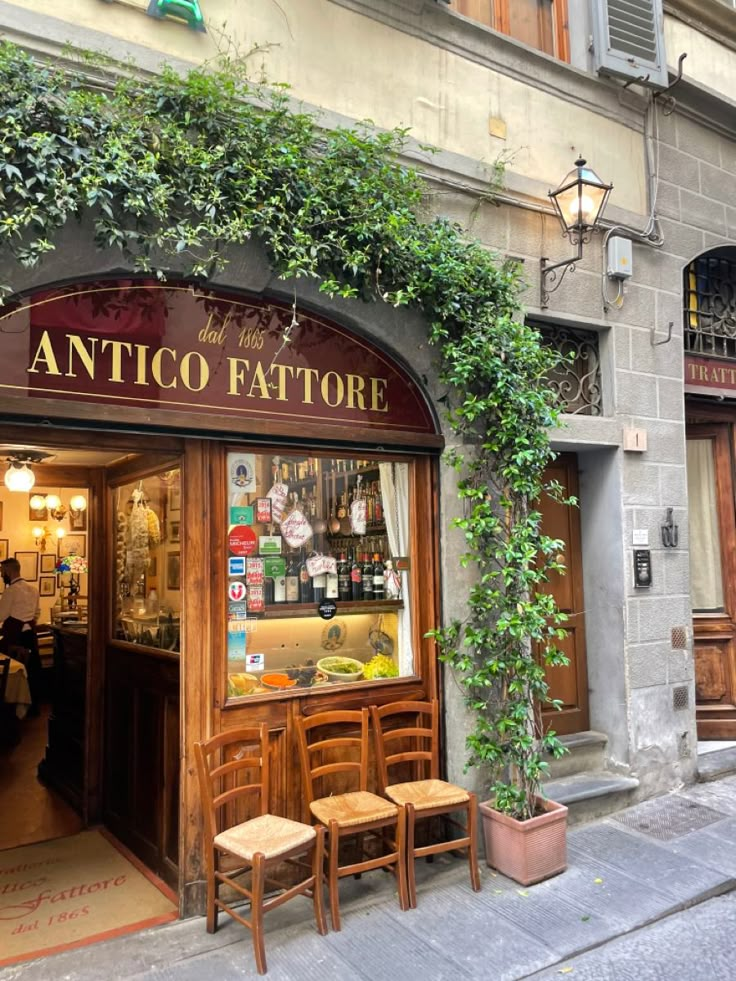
[526, 851]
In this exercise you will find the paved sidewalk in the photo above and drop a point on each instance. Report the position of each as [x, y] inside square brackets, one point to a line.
[625, 872]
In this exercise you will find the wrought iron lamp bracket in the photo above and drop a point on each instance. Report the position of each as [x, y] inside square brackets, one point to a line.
[550, 282]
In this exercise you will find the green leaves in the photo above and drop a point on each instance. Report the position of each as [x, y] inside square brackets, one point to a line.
[186, 167]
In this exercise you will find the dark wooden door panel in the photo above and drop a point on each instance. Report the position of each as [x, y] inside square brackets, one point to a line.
[568, 684]
[715, 635]
[142, 756]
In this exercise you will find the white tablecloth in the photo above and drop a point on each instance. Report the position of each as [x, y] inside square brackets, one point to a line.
[18, 691]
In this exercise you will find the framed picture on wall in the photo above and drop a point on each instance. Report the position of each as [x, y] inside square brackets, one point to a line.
[78, 520]
[48, 564]
[3, 549]
[174, 531]
[73, 545]
[174, 500]
[173, 570]
[28, 565]
[47, 585]
[37, 514]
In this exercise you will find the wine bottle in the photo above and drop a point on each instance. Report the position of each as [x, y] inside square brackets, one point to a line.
[378, 583]
[344, 590]
[292, 579]
[268, 591]
[367, 576]
[305, 582]
[279, 588]
[319, 587]
[356, 578]
[332, 589]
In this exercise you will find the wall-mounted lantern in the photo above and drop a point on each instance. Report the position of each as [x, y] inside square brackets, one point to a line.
[186, 10]
[579, 202]
[670, 531]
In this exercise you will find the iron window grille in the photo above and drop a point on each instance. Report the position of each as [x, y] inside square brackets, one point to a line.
[577, 379]
[710, 306]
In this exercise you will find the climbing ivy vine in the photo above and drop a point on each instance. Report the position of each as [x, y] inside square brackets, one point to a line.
[193, 166]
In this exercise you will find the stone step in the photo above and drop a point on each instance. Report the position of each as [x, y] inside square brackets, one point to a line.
[591, 795]
[585, 751]
[713, 766]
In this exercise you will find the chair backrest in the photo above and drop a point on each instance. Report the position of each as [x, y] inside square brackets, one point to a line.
[407, 733]
[4, 672]
[233, 771]
[343, 738]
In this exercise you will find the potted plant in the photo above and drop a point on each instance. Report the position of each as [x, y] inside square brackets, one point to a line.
[500, 652]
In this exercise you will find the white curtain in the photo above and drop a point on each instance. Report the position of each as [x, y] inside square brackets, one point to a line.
[395, 494]
[706, 581]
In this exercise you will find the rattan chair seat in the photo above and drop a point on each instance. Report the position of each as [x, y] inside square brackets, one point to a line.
[425, 794]
[268, 834]
[349, 810]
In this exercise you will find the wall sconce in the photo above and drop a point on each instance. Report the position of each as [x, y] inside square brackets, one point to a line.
[579, 203]
[670, 531]
[41, 534]
[53, 504]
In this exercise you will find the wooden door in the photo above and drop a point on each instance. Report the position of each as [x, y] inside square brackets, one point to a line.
[569, 684]
[712, 573]
[142, 710]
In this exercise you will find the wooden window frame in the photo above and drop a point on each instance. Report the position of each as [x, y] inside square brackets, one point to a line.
[502, 24]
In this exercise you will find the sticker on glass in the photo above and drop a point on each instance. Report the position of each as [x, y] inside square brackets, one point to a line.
[241, 515]
[255, 571]
[241, 540]
[236, 565]
[242, 470]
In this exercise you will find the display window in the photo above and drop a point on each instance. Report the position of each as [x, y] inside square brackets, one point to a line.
[147, 517]
[318, 584]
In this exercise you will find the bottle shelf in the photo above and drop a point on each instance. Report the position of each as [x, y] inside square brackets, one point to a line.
[370, 529]
[284, 610]
[350, 473]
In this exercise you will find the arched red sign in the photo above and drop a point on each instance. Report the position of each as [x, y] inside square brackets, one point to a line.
[175, 347]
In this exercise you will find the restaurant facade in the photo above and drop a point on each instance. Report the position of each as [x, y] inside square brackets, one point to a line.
[246, 426]
[264, 522]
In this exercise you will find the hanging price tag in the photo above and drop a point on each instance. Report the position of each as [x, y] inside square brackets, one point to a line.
[318, 565]
[295, 529]
[279, 494]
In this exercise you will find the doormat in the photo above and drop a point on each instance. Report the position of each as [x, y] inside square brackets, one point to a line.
[74, 891]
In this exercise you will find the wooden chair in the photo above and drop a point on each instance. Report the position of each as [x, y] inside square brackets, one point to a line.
[335, 745]
[416, 743]
[233, 773]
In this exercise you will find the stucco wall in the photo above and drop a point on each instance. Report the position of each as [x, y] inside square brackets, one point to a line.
[336, 59]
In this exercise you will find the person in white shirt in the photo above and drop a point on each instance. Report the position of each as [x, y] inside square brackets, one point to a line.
[18, 612]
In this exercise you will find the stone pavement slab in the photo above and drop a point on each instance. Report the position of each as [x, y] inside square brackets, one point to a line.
[653, 865]
[694, 945]
[619, 880]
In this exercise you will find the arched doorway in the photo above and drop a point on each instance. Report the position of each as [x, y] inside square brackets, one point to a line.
[709, 331]
[263, 410]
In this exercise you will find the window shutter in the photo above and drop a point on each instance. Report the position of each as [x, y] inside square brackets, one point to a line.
[629, 40]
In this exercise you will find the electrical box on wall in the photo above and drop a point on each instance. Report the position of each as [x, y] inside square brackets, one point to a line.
[620, 257]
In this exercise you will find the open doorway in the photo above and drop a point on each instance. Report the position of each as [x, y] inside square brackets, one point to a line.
[67, 719]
